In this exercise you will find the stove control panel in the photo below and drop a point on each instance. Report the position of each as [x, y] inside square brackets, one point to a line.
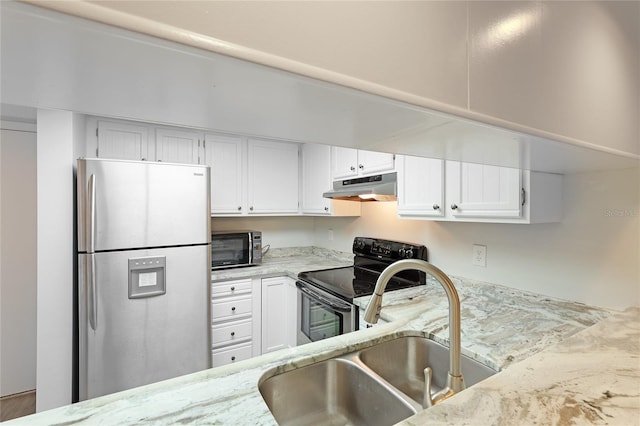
[388, 250]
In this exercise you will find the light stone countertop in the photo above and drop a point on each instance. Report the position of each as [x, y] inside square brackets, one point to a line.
[590, 378]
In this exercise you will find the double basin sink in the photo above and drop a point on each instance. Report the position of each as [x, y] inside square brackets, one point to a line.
[379, 385]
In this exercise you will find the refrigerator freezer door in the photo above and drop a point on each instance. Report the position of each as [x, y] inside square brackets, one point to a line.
[141, 204]
[142, 340]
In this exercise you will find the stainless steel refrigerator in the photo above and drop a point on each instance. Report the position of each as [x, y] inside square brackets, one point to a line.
[143, 273]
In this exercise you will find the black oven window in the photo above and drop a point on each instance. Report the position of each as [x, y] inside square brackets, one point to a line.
[319, 321]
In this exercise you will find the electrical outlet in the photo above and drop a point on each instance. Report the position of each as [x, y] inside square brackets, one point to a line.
[479, 255]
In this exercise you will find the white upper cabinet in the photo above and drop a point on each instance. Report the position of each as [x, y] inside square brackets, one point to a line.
[476, 190]
[273, 171]
[226, 156]
[344, 162]
[179, 146]
[123, 141]
[420, 186]
[316, 180]
[464, 192]
[348, 162]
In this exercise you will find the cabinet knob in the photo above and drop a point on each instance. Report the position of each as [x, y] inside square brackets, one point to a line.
[233, 309]
[326, 209]
[454, 207]
[233, 289]
[233, 333]
[436, 207]
[360, 166]
[353, 169]
[239, 208]
[233, 358]
[251, 208]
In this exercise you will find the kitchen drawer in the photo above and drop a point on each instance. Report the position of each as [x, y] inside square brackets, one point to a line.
[230, 308]
[228, 333]
[231, 354]
[230, 288]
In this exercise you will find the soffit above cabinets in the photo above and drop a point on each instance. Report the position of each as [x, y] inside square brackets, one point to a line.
[54, 60]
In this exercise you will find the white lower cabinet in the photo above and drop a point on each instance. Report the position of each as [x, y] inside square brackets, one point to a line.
[464, 192]
[250, 317]
[234, 321]
[279, 313]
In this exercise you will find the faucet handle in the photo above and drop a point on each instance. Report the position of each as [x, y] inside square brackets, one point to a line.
[427, 401]
[454, 384]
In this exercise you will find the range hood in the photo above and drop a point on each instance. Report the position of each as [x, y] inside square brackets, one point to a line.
[370, 188]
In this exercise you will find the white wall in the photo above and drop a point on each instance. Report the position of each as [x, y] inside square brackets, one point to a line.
[17, 259]
[591, 257]
[55, 161]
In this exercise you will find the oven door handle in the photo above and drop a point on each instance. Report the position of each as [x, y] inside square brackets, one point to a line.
[341, 307]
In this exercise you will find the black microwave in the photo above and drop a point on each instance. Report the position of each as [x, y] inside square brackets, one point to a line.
[232, 249]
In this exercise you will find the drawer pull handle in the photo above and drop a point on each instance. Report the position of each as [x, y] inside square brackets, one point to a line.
[233, 358]
[233, 333]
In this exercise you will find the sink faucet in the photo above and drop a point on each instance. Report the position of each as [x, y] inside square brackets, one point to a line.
[455, 381]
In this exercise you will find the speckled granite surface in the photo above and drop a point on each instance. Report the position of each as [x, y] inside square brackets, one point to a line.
[288, 261]
[491, 315]
[590, 378]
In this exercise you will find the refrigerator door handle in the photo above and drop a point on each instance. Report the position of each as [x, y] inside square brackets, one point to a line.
[93, 298]
[92, 215]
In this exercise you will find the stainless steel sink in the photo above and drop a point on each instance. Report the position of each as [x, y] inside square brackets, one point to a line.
[333, 392]
[402, 361]
[380, 385]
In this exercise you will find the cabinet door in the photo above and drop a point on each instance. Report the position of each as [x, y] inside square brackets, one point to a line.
[225, 154]
[123, 141]
[278, 314]
[273, 177]
[178, 146]
[316, 178]
[344, 162]
[476, 190]
[370, 162]
[420, 186]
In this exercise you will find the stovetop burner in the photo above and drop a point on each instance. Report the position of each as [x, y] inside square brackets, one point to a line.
[372, 256]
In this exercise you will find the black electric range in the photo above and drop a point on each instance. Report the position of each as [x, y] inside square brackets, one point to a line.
[371, 257]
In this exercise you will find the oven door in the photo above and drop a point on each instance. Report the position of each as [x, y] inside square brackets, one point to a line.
[322, 315]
